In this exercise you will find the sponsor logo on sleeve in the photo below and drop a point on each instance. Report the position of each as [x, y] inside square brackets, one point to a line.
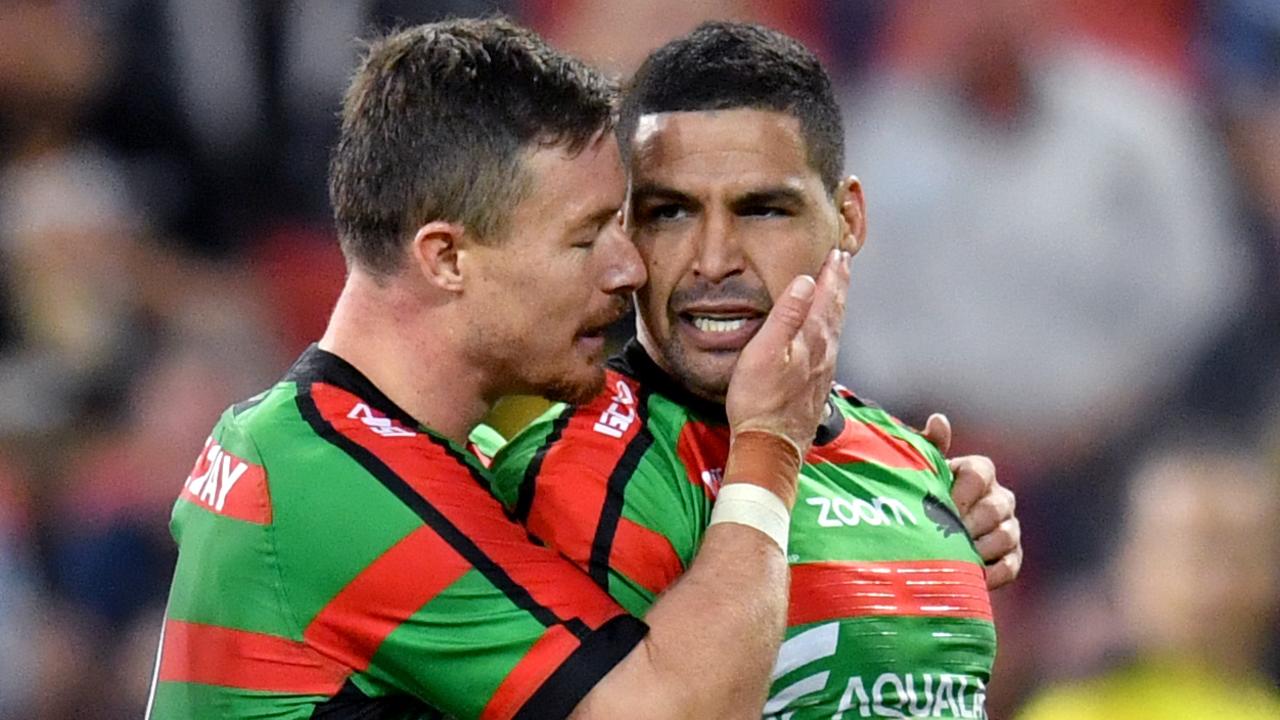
[228, 485]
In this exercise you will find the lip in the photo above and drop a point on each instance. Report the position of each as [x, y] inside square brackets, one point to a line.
[591, 344]
[726, 309]
[731, 341]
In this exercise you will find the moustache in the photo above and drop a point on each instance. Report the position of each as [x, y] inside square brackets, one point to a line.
[730, 290]
[612, 313]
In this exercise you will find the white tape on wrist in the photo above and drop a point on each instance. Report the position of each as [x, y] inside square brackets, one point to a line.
[753, 506]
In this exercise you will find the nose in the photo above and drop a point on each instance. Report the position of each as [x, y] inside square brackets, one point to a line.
[624, 270]
[719, 252]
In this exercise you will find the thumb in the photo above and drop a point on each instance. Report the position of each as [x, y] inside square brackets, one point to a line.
[788, 314]
[937, 430]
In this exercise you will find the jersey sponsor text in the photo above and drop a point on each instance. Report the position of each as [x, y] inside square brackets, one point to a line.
[217, 473]
[617, 418]
[379, 424]
[840, 512]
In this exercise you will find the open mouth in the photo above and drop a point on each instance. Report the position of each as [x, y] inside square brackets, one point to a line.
[720, 328]
[718, 325]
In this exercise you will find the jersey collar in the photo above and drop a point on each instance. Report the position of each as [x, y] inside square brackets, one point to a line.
[316, 365]
[634, 361]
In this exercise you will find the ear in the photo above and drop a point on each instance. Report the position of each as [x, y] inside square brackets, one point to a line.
[434, 254]
[853, 214]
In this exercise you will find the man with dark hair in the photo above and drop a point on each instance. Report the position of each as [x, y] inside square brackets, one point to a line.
[733, 142]
[339, 552]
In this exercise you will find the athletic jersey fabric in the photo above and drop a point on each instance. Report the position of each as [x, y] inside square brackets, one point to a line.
[889, 613]
[339, 560]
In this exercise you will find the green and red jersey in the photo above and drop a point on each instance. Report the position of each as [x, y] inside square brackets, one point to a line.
[889, 613]
[337, 559]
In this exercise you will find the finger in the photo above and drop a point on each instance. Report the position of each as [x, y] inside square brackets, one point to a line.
[829, 300]
[1004, 571]
[788, 315]
[1004, 539]
[990, 510]
[937, 430]
[835, 311]
[974, 477]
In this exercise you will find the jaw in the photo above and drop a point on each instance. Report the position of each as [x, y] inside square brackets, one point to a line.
[703, 372]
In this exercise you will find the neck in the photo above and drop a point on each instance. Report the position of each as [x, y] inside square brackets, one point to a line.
[651, 349]
[411, 348]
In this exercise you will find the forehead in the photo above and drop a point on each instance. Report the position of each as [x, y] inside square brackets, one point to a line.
[721, 147]
[566, 185]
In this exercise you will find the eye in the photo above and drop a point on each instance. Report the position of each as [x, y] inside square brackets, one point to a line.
[666, 212]
[764, 211]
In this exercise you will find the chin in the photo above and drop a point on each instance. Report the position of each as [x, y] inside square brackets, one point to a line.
[711, 387]
[575, 389]
[705, 374]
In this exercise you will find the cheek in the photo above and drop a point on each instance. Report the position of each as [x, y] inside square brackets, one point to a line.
[780, 257]
[662, 277]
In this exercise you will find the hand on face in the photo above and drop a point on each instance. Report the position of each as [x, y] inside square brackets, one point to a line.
[783, 376]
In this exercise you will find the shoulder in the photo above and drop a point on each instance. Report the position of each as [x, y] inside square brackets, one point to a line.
[229, 477]
[591, 438]
[872, 435]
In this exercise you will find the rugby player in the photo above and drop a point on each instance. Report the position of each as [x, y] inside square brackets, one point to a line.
[339, 552]
[734, 146]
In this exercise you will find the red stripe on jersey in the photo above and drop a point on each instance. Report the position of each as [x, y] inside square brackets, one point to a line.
[704, 449]
[228, 485]
[544, 658]
[385, 594]
[644, 556]
[867, 442]
[574, 478]
[211, 655]
[936, 588]
[445, 482]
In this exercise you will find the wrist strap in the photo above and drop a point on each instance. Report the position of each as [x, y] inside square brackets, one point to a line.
[753, 506]
[766, 459]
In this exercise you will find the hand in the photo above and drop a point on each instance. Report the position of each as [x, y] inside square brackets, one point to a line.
[986, 507]
[783, 375]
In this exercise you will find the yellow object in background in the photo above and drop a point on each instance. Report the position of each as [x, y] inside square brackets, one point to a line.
[1154, 690]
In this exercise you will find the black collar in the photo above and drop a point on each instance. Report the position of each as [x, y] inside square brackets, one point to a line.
[316, 365]
[635, 362]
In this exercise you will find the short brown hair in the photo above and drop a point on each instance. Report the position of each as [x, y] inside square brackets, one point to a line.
[435, 125]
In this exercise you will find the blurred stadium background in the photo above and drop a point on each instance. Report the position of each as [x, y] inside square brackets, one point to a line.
[1074, 251]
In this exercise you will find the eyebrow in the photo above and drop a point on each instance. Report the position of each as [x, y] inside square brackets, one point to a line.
[780, 195]
[652, 191]
[598, 217]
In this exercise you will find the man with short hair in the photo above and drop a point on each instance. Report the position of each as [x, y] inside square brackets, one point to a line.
[339, 553]
[734, 145]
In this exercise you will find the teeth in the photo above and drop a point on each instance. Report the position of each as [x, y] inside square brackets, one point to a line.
[712, 325]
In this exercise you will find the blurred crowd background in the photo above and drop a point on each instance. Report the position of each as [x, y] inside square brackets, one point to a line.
[1074, 252]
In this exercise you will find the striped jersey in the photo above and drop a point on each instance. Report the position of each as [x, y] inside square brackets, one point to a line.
[339, 560]
[889, 613]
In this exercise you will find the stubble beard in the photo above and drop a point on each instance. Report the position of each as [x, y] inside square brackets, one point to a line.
[707, 384]
[573, 392]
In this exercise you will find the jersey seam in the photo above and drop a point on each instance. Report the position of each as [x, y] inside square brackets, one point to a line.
[276, 558]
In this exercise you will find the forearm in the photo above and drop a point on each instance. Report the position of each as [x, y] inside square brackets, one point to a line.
[714, 635]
